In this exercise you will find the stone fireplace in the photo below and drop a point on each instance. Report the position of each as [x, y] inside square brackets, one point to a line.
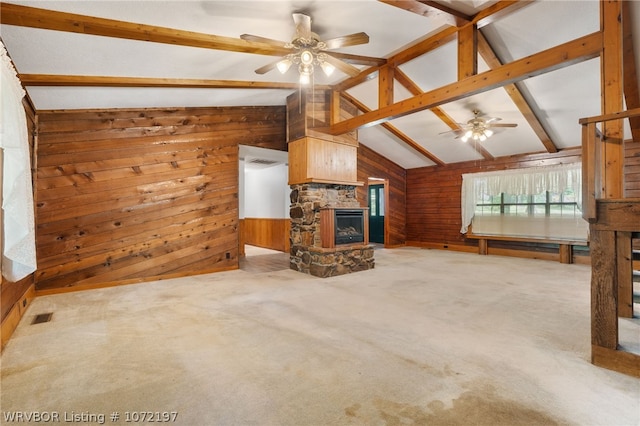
[329, 228]
[314, 247]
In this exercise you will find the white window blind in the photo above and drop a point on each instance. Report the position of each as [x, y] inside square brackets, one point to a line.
[530, 181]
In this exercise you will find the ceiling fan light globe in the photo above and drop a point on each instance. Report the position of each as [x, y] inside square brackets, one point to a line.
[306, 57]
[464, 138]
[482, 137]
[488, 133]
[327, 68]
[468, 135]
[304, 78]
[284, 65]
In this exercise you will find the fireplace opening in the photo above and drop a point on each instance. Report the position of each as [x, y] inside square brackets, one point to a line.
[349, 226]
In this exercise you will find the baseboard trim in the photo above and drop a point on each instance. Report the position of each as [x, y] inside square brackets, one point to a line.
[83, 287]
[443, 246]
[617, 360]
[16, 313]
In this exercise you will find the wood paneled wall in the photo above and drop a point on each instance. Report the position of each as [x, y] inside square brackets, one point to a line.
[132, 195]
[433, 194]
[632, 169]
[268, 233]
[372, 164]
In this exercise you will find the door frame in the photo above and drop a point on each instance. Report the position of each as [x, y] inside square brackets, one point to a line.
[382, 181]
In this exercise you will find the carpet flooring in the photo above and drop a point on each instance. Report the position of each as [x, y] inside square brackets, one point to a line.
[427, 337]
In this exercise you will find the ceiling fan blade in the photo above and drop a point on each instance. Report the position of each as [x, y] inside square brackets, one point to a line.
[457, 132]
[303, 25]
[491, 119]
[503, 125]
[348, 40]
[250, 37]
[266, 68]
[342, 65]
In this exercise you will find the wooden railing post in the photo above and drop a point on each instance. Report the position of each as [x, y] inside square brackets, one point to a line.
[604, 312]
[590, 175]
[624, 260]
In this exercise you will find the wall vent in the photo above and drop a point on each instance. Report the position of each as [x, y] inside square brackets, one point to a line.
[262, 161]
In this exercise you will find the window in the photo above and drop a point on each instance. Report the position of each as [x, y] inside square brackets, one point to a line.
[374, 204]
[544, 204]
[541, 202]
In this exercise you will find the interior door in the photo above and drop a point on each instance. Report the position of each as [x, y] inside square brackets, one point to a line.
[376, 213]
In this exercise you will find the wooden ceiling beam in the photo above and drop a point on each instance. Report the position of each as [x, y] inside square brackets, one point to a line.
[111, 81]
[364, 76]
[432, 10]
[433, 41]
[467, 51]
[631, 93]
[417, 49]
[558, 57]
[612, 93]
[498, 11]
[394, 130]
[415, 90]
[463, 18]
[25, 16]
[516, 95]
[423, 46]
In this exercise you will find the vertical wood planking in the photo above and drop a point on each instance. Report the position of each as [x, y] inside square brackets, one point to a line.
[467, 51]
[632, 169]
[566, 253]
[372, 164]
[590, 165]
[612, 96]
[267, 233]
[139, 194]
[385, 86]
[624, 259]
[604, 318]
[334, 107]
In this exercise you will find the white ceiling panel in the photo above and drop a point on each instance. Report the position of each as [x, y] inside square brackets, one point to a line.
[387, 145]
[542, 25]
[425, 129]
[434, 69]
[562, 97]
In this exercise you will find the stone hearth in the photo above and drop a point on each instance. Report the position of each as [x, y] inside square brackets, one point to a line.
[307, 252]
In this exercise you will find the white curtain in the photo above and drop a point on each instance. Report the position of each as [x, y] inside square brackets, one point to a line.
[18, 229]
[530, 181]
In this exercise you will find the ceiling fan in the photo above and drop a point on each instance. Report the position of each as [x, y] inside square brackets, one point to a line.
[308, 51]
[479, 128]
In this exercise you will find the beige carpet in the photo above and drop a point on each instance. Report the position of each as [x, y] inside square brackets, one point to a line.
[427, 337]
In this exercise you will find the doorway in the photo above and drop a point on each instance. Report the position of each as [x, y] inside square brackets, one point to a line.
[377, 207]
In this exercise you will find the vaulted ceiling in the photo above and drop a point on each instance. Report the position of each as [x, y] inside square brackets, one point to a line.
[139, 54]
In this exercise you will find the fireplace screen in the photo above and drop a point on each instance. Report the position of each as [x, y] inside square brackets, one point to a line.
[349, 226]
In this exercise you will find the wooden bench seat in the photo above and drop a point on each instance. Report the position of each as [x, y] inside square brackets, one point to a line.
[565, 247]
